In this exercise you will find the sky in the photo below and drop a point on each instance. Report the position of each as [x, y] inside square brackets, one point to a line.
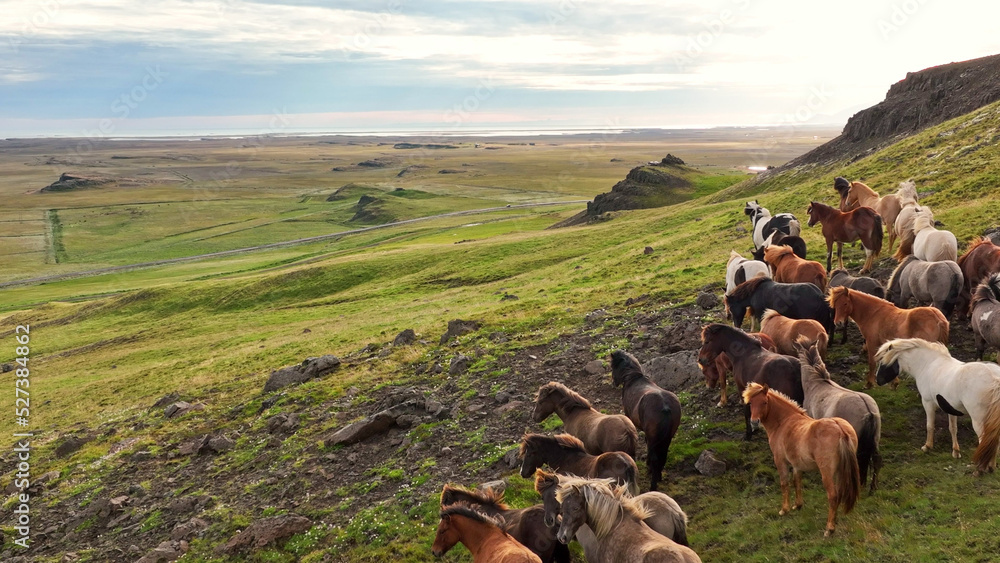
[107, 68]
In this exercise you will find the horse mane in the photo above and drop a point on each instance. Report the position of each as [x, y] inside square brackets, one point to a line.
[604, 502]
[837, 294]
[989, 290]
[772, 253]
[922, 220]
[715, 328]
[809, 359]
[898, 271]
[976, 243]
[822, 205]
[564, 441]
[768, 315]
[753, 389]
[571, 399]
[865, 187]
[890, 351]
[489, 497]
[747, 288]
[473, 514]
[907, 192]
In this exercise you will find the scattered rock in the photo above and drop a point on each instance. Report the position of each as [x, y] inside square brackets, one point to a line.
[6, 367]
[405, 338]
[503, 397]
[220, 444]
[671, 160]
[406, 421]
[674, 371]
[437, 368]
[283, 423]
[512, 458]
[709, 464]
[648, 250]
[595, 315]
[458, 327]
[475, 407]
[189, 529]
[166, 551]
[511, 406]
[594, 367]
[265, 532]
[310, 368]
[71, 444]
[509, 297]
[459, 364]
[707, 300]
[166, 400]
[377, 423]
[179, 408]
[497, 486]
[633, 300]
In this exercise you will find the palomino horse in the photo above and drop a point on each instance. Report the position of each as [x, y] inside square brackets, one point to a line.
[740, 269]
[826, 399]
[666, 517]
[904, 221]
[751, 362]
[654, 410]
[526, 525]
[935, 283]
[481, 535]
[841, 278]
[764, 224]
[794, 300]
[931, 244]
[887, 207]
[785, 332]
[827, 444]
[959, 388]
[778, 238]
[979, 262]
[986, 315]
[786, 267]
[860, 224]
[715, 372]
[617, 523]
[881, 321]
[564, 453]
[599, 432]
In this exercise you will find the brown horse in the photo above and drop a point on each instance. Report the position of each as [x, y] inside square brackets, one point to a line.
[827, 444]
[860, 224]
[715, 372]
[526, 525]
[599, 432]
[751, 362]
[880, 321]
[564, 453]
[785, 332]
[481, 535]
[656, 411]
[786, 267]
[887, 207]
[979, 262]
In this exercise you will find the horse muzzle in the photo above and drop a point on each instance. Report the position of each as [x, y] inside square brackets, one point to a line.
[562, 537]
[437, 553]
[755, 424]
[550, 521]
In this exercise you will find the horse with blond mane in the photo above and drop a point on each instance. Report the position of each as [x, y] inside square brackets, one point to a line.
[786, 267]
[930, 243]
[959, 388]
[888, 207]
[805, 443]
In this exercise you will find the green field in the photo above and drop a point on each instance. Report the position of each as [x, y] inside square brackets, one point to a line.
[213, 330]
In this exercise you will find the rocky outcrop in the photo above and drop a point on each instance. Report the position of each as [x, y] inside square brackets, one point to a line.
[68, 182]
[458, 327]
[674, 371]
[266, 532]
[310, 368]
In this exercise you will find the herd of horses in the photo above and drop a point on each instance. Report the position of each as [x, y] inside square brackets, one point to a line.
[587, 477]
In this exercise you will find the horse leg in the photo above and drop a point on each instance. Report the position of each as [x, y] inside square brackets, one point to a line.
[746, 416]
[831, 500]
[722, 385]
[829, 254]
[844, 339]
[892, 239]
[868, 261]
[870, 382]
[876, 464]
[956, 451]
[980, 347]
[929, 408]
[797, 477]
[840, 255]
[782, 465]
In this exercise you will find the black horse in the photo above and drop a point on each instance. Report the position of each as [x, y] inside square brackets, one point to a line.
[655, 411]
[779, 238]
[793, 300]
[840, 278]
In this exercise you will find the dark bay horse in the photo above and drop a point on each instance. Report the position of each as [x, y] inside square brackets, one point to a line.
[655, 411]
[862, 224]
[526, 525]
[751, 363]
[564, 453]
[979, 262]
[715, 372]
[793, 300]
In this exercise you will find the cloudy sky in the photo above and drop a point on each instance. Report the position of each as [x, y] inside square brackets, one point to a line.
[119, 67]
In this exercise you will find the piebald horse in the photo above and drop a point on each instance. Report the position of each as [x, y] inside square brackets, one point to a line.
[764, 224]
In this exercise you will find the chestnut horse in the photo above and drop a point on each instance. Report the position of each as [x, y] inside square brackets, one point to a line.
[785, 332]
[805, 443]
[599, 432]
[481, 535]
[751, 362]
[841, 277]
[654, 410]
[859, 224]
[715, 372]
[564, 453]
[779, 238]
[881, 321]
[526, 525]
[979, 262]
[786, 267]
[888, 207]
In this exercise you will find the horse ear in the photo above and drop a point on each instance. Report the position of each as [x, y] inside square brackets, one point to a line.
[764, 388]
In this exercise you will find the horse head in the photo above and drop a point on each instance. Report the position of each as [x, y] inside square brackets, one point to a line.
[531, 458]
[813, 212]
[623, 364]
[544, 404]
[545, 485]
[755, 395]
[446, 537]
[840, 302]
[573, 510]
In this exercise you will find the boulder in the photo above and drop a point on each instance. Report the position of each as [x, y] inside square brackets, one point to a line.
[71, 444]
[594, 367]
[674, 371]
[378, 423]
[166, 551]
[459, 364]
[497, 486]
[648, 250]
[283, 423]
[310, 368]
[458, 327]
[405, 338]
[709, 464]
[179, 408]
[707, 300]
[188, 530]
[266, 532]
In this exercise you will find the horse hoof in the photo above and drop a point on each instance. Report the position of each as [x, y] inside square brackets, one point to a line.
[827, 533]
[956, 454]
[869, 385]
[925, 448]
[782, 512]
[720, 404]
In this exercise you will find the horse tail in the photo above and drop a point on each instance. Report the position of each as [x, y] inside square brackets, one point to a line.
[680, 526]
[905, 247]
[989, 440]
[867, 446]
[878, 235]
[848, 474]
[957, 285]
[794, 228]
[821, 342]
[994, 284]
[631, 476]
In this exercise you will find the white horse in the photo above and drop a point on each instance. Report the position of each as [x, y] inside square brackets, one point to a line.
[904, 220]
[929, 243]
[959, 388]
[764, 224]
[750, 269]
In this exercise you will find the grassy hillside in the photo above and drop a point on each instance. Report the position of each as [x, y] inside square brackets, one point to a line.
[214, 339]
